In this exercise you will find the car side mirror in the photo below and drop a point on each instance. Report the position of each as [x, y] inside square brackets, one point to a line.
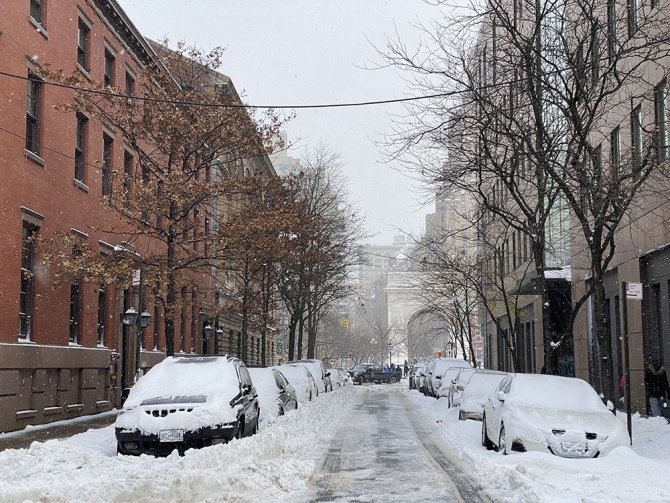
[610, 406]
[438, 377]
[246, 389]
[460, 387]
[327, 374]
[501, 395]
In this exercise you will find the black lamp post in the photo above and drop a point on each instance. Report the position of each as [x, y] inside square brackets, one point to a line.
[390, 348]
[219, 339]
[140, 322]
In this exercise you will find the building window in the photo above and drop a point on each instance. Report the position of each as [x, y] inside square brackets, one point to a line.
[75, 312]
[33, 113]
[661, 109]
[37, 11]
[83, 44]
[611, 29]
[27, 288]
[109, 68]
[80, 147]
[102, 314]
[615, 154]
[107, 156]
[127, 177]
[130, 84]
[636, 138]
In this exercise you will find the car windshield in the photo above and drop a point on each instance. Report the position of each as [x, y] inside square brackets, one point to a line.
[183, 377]
[554, 392]
[361, 366]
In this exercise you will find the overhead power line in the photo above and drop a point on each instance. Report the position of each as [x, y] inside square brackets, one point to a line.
[232, 105]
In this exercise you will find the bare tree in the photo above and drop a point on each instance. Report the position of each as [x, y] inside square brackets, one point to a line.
[317, 275]
[540, 86]
[185, 131]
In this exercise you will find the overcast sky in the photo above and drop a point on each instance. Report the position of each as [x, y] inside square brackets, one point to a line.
[312, 51]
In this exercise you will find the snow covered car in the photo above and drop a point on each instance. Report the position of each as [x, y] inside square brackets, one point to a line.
[477, 391]
[447, 381]
[339, 377]
[187, 402]
[275, 393]
[436, 368]
[302, 381]
[560, 415]
[413, 376]
[458, 384]
[319, 372]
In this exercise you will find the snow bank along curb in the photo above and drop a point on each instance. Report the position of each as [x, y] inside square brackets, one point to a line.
[274, 465]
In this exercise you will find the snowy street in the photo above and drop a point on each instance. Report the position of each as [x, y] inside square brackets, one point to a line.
[368, 443]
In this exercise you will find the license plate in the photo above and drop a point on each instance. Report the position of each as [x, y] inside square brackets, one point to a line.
[171, 435]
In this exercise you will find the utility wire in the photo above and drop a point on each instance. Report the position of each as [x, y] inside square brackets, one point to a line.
[229, 105]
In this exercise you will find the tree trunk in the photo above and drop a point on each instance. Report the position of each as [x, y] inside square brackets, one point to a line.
[171, 296]
[293, 323]
[602, 334]
[301, 329]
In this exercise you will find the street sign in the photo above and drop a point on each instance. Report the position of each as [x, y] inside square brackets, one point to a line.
[137, 274]
[634, 291]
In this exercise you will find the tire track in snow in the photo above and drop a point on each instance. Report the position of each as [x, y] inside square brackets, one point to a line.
[382, 452]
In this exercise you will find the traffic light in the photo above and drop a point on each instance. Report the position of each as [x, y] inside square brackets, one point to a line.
[345, 324]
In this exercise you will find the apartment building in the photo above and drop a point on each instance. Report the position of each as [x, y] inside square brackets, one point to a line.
[64, 350]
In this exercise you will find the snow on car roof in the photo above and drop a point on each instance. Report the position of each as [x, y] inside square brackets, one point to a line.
[554, 392]
[442, 364]
[187, 376]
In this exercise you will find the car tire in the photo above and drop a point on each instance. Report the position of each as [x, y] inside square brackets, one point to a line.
[502, 442]
[360, 381]
[392, 380]
[282, 411]
[486, 441]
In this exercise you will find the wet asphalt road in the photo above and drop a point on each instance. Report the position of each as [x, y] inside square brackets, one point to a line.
[385, 452]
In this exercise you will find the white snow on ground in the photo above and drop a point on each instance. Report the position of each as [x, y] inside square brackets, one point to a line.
[274, 465]
[640, 474]
[279, 464]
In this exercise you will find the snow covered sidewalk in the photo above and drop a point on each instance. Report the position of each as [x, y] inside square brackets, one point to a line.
[274, 465]
[640, 474]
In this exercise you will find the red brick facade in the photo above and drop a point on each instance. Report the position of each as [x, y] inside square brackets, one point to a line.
[44, 376]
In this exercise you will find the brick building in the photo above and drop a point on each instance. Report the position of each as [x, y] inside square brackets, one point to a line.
[64, 351]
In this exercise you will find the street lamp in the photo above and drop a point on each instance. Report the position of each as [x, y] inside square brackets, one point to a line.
[390, 348]
[450, 349]
[140, 322]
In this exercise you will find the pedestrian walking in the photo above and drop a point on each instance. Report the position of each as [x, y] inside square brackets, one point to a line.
[406, 368]
[656, 383]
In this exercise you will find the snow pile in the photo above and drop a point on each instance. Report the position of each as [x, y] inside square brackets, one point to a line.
[274, 465]
[625, 475]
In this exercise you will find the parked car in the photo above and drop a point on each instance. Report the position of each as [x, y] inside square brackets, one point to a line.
[187, 402]
[377, 375]
[346, 378]
[560, 415]
[319, 372]
[447, 381]
[339, 377]
[477, 391]
[302, 381]
[413, 375]
[358, 370]
[457, 386]
[275, 394]
[436, 368]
